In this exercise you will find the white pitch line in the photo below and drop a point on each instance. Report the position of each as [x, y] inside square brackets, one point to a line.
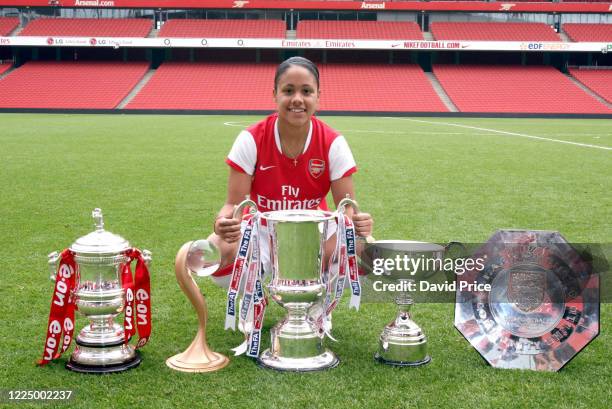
[585, 145]
[238, 124]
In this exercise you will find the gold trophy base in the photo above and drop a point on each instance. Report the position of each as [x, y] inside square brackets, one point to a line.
[198, 357]
[178, 362]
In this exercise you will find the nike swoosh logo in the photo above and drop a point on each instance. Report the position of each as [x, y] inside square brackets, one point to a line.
[261, 167]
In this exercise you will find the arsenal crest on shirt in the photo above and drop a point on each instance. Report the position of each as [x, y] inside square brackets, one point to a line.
[316, 167]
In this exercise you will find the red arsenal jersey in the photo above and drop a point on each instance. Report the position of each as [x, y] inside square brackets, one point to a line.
[281, 183]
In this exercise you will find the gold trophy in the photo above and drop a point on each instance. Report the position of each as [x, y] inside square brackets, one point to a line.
[193, 257]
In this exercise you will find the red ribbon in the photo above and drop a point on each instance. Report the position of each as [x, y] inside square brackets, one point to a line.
[137, 298]
[127, 282]
[61, 316]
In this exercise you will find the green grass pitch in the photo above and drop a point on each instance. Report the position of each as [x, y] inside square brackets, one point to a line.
[161, 179]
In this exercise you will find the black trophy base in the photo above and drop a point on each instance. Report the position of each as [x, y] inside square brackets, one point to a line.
[104, 369]
[424, 361]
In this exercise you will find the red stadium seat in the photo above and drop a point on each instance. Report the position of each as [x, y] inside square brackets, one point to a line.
[223, 29]
[515, 89]
[85, 27]
[70, 85]
[398, 88]
[4, 67]
[7, 25]
[229, 86]
[597, 80]
[359, 30]
[493, 31]
[588, 32]
[384, 88]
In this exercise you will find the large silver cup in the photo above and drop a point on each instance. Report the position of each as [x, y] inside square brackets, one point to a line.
[297, 242]
[100, 297]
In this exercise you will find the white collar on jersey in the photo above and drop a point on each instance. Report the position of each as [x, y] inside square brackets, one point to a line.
[277, 137]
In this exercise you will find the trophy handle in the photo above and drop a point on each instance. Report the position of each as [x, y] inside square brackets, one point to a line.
[53, 259]
[347, 201]
[246, 202]
[198, 357]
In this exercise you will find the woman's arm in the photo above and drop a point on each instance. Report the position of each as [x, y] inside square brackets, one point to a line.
[238, 187]
[342, 188]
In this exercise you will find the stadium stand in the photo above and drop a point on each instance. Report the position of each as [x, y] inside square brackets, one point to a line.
[368, 87]
[7, 25]
[359, 30]
[223, 28]
[514, 89]
[229, 79]
[235, 86]
[597, 80]
[70, 85]
[230, 86]
[493, 31]
[588, 32]
[4, 67]
[85, 27]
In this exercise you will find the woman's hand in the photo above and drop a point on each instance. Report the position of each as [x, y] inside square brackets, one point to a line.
[228, 229]
[342, 188]
[363, 224]
[238, 187]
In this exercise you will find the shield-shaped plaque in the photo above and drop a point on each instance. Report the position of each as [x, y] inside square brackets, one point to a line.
[542, 305]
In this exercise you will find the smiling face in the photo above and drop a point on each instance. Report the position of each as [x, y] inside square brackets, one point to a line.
[296, 96]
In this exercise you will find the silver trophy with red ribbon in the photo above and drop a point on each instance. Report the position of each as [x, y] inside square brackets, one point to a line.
[301, 282]
[94, 276]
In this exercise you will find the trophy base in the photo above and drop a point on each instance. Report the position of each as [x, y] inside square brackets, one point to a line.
[104, 369]
[380, 359]
[103, 357]
[179, 362]
[326, 360]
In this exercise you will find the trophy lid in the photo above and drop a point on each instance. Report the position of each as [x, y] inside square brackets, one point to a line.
[100, 241]
[298, 216]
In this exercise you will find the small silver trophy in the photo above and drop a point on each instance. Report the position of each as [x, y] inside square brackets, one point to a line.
[99, 296]
[402, 342]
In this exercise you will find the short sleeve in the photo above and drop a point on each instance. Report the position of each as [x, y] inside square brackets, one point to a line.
[243, 155]
[341, 161]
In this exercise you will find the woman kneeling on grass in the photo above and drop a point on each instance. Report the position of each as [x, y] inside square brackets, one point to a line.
[289, 160]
